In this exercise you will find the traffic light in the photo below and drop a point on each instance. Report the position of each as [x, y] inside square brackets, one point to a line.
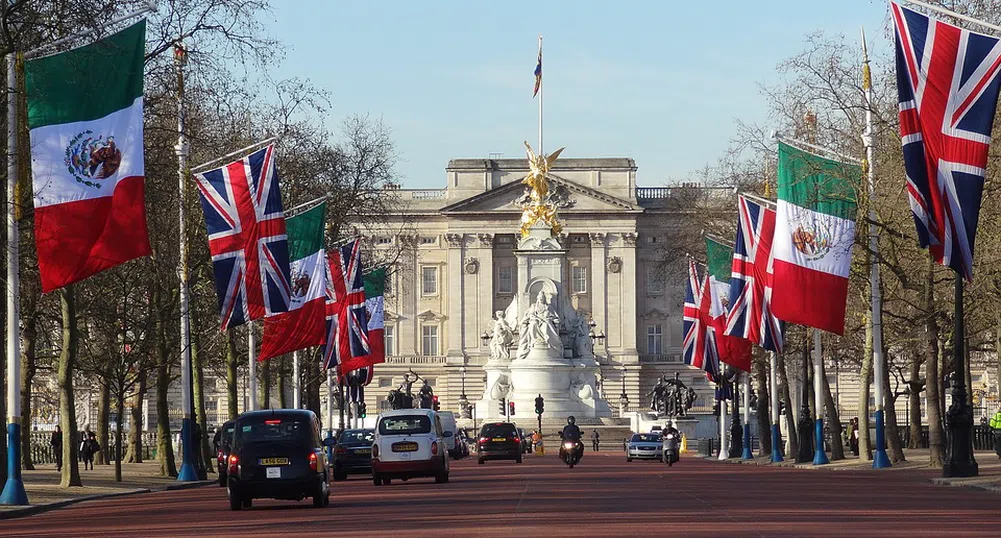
[502, 407]
[361, 410]
[511, 407]
[434, 403]
[540, 405]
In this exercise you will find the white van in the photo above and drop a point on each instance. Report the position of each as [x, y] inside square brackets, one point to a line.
[409, 443]
[448, 425]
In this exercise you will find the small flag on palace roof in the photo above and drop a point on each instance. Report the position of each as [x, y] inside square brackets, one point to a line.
[347, 319]
[242, 202]
[375, 285]
[751, 278]
[538, 72]
[732, 350]
[948, 84]
[814, 235]
[85, 115]
[304, 324]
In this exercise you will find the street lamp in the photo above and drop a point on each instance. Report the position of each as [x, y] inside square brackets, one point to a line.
[485, 337]
[463, 401]
[623, 397]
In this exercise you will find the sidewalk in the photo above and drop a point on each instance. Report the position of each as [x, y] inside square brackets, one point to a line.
[988, 463]
[44, 492]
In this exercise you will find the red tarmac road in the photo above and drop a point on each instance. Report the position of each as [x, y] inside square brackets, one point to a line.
[604, 496]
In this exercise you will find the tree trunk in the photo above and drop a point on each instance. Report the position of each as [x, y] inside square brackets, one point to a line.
[116, 453]
[936, 437]
[265, 379]
[164, 445]
[313, 382]
[103, 419]
[282, 389]
[762, 409]
[198, 380]
[864, 390]
[894, 446]
[833, 421]
[29, 337]
[792, 438]
[135, 452]
[67, 407]
[232, 380]
[3, 413]
[915, 385]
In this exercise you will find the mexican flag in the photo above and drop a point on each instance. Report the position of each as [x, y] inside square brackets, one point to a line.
[375, 306]
[814, 234]
[85, 115]
[732, 350]
[304, 324]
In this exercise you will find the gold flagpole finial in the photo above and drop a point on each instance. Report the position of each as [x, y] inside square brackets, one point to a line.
[866, 73]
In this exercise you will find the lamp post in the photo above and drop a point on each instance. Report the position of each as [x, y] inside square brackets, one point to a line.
[463, 401]
[623, 397]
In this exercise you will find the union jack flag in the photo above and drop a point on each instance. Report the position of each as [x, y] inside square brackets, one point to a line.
[699, 346]
[751, 315]
[347, 319]
[242, 203]
[947, 81]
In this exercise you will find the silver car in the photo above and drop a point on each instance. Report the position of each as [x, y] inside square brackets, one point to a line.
[646, 446]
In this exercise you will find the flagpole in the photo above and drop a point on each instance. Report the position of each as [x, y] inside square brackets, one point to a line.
[541, 84]
[747, 455]
[296, 389]
[722, 418]
[330, 412]
[245, 150]
[880, 459]
[774, 394]
[13, 490]
[951, 13]
[820, 456]
[252, 370]
[187, 472]
[794, 142]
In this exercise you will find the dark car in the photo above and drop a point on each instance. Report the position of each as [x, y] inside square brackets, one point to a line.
[277, 454]
[499, 441]
[221, 442]
[353, 453]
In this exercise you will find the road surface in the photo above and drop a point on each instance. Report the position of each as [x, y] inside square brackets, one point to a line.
[604, 496]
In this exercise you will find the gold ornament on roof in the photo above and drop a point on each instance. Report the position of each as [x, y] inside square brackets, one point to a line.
[538, 206]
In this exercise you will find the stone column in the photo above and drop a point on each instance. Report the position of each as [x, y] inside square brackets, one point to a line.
[483, 291]
[599, 286]
[629, 294]
[453, 286]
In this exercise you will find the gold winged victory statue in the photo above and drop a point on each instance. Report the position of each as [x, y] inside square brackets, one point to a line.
[539, 208]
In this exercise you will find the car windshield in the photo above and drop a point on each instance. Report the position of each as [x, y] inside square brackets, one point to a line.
[645, 438]
[271, 429]
[497, 429]
[362, 436]
[405, 425]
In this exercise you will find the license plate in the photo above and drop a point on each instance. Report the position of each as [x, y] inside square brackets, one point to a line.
[499, 439]
[274, 472]
[404, 447]
[274, 461]
[363, 451]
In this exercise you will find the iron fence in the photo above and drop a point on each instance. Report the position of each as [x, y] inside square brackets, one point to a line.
[43, 453]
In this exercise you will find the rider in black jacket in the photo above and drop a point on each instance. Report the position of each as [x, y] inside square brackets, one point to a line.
[572, 433]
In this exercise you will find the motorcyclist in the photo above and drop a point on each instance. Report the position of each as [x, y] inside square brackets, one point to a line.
[572, 433]
[670, 429]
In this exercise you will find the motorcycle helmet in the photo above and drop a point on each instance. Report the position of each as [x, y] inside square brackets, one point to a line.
[571, 420]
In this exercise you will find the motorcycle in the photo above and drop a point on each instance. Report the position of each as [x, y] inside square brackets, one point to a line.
[670, 447]
[571, 452]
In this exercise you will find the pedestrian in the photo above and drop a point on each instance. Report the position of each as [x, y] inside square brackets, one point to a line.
[853, 435]
[56, 442]
[595, 437]
[90, 447]
[81, 444]
[996, 426]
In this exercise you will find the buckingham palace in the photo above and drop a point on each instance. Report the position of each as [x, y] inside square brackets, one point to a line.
[459, 267]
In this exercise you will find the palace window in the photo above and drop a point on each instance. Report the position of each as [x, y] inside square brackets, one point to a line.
[655, 339]
[505, 279]
[429, 281]
[429, 340]
[385, 382]
[389, 339]
[654, 281]
[428, 240]
[579, 279]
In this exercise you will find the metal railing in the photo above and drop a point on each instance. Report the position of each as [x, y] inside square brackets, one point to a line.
[648, 193]
[42, 452]
[416, 359]
[661, 358]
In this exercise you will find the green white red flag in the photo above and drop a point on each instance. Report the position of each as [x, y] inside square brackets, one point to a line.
[85, 115]
[814, 235]
[304, 325]
[733, 350]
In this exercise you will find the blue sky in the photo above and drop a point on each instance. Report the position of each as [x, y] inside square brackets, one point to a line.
[659, 81]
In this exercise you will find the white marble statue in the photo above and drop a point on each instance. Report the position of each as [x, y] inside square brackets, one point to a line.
[581, 332]
[502, 338]
[539, 326]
